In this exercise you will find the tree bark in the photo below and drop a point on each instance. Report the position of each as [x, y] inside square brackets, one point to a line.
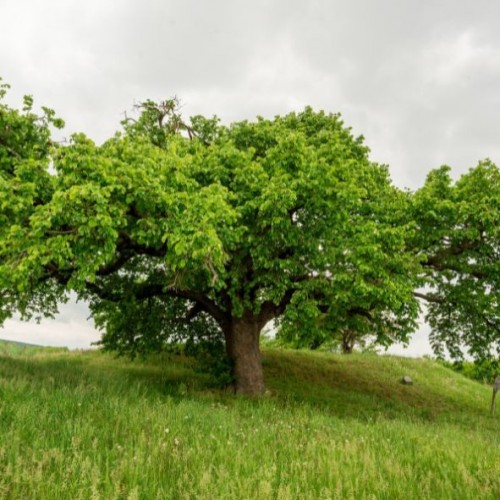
[347, 342]
[242, 346]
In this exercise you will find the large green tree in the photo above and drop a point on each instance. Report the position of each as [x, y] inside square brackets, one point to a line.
[175, 228]
[170, 226]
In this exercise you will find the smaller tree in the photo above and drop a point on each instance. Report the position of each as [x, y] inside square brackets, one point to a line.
[459, 240]
[370, 297]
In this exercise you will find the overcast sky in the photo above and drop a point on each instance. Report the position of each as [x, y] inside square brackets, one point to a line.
[419, 79]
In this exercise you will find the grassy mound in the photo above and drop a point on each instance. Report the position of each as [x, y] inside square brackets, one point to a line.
[87, 425]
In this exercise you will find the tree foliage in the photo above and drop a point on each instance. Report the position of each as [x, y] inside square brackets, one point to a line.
[175, 230]
[459, 237]
[25, 183]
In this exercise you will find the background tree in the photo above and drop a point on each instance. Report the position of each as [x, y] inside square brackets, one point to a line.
[459, 238]
[369, 298]
[458, 241]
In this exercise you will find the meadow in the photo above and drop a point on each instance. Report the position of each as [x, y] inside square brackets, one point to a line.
[86, 425]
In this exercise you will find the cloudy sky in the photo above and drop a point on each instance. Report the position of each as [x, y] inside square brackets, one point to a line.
[419, 79]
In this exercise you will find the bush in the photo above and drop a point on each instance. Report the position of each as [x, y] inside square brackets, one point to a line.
[484, 371]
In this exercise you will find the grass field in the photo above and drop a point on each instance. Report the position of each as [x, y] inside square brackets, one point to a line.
[86, 425]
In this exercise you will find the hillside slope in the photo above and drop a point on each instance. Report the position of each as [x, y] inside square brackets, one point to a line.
[11, 347]
[87, 425]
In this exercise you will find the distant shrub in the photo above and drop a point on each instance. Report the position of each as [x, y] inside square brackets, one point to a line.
[484, 371]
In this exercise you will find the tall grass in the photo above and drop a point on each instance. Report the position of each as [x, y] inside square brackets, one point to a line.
[86, 425]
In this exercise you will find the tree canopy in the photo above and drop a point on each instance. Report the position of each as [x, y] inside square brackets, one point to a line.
[459, 237]
[174, 227]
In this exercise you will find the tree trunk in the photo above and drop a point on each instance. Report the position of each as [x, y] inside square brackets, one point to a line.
[242, 346]
[347, 342]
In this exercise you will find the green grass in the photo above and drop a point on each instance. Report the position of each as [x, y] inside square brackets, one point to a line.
[86, 425]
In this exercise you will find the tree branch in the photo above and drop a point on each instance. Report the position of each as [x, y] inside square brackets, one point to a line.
[270, 310]
[429, 298]
[147, 290]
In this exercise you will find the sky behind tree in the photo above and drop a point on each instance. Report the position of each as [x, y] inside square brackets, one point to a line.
[420, 80]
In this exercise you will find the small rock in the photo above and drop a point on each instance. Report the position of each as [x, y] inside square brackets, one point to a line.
[407, 380]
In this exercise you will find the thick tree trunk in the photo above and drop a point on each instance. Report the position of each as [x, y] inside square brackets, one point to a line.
[242, 346]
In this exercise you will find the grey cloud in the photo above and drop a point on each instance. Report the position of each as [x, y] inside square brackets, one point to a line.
[422, 83]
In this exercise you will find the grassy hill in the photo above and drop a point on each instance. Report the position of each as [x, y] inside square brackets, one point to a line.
[87, 425]
[13, 348]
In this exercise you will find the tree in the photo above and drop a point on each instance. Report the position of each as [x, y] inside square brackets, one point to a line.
[459, 239]
[175, 230]
[370, 297]
[170, 226]
[368, 305]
